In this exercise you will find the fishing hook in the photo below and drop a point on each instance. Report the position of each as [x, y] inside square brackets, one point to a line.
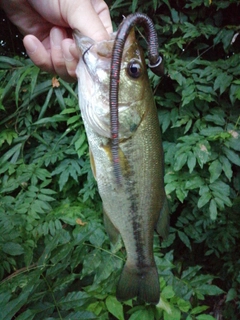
[86, 51]
[155, 64]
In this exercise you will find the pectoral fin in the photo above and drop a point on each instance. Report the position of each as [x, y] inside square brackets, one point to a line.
[92, 163]
[163, 221]
[122, 158]
[112, 231]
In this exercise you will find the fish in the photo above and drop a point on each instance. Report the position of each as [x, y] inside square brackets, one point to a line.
[135, 208]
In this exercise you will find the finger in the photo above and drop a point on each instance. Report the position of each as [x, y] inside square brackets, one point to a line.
[71, 60]
[38, 52]
[43, 55]
[102, 11]
[86, 19]
[75, 52]
[57, 35]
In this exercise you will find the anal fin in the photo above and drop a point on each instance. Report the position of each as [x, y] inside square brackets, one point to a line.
[162, 226]
[112, 232]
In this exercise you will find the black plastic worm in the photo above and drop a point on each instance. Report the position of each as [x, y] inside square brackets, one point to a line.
[154, 63]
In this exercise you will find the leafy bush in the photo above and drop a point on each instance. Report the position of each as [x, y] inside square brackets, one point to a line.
[56, 261]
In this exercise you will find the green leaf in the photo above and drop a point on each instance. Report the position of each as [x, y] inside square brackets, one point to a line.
[143, 314]
[215, 170]
[98, 237]
[176, 75]
[14, 249]
[201, 152]
[54, 119]
[83, 315]
[174, 314]
[73, 119]
[25, 72]
[69, 110]
[223, 81]
[188, 126]
[213, 209]
[168, 292]
[191, 162]
[68, 88]
[205, 317]
[134, 5]
[190, 272]
[181, 193]
[45, 106]
[115, 307]
[204, 199]
[44, 197]
[59, 94]
[48, 191]
[67, 168]
[180, 161]
[194, 182]
[225, 36]
[217, 117]
[11, 61]
[184, 239]
[220, 188]
[175, 15]
[184, 305]
[7, 135]
[210, 289]
[199, 309]
[231, 295]
[74, 300]
[226, 166]
[234, 93]
[12, 153]
[232, 156]
[27, 315]
[211, 131]
[9, 310]
[4, 298]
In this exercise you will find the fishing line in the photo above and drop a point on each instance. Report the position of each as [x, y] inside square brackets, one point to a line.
[86, 51]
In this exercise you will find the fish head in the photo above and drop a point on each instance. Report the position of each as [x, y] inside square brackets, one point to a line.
[93, 73]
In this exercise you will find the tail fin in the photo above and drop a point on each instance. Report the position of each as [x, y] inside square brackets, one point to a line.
[143, 283]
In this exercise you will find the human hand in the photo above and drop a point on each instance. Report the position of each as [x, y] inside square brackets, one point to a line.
[47, 26]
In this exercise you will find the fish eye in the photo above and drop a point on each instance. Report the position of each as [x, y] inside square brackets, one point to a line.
[134, 69]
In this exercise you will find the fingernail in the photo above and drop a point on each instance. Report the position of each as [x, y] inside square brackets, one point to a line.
[66, 53]
[31, 47]
[57, 37]
[67, 56]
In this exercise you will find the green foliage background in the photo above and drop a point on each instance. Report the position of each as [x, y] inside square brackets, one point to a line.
[56, 261]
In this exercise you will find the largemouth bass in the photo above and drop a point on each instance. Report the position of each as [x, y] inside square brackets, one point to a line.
[137, 206]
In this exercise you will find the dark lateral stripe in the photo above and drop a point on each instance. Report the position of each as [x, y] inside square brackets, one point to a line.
[134, 214]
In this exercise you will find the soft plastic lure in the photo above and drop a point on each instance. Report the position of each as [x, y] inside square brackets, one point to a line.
[155, 64]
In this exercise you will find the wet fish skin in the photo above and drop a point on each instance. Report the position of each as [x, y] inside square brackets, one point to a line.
[137, 206]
